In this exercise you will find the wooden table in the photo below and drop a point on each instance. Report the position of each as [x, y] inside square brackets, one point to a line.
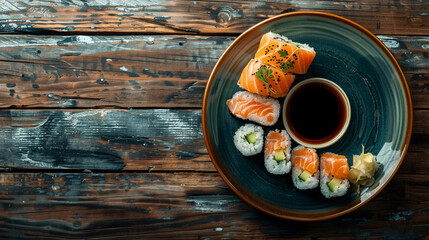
[101, 132]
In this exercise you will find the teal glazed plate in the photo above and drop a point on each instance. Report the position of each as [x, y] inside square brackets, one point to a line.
[381, 113]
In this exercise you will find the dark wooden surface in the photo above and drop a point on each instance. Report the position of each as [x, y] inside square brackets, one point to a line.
[100, 121]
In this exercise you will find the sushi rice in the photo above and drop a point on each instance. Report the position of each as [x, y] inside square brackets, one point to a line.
[277, 167]
[285, 39]
[310, 183]
[241, 143]
[338, 191]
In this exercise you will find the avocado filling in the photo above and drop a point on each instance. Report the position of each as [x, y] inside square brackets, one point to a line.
[279, 155]
[305, 175]
[334, 183]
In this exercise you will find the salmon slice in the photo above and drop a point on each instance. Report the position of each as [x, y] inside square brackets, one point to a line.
[265, 79]
[249, 106]
[335, 165]
[277, 140]
[284, 54]
[306, 159]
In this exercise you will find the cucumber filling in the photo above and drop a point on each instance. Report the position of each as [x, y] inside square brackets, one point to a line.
[305, 175]
[279, 155]
[334, 183]
[251, 137]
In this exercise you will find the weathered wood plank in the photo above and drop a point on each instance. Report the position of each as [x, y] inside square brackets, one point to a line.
[151, 139]
[199, 17]
[186, 206]
[144, 139]
[83, 71]
[140, 71]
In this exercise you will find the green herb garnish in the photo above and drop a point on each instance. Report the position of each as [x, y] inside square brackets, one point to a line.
[286, 65]
[263, 73]
[283, 53]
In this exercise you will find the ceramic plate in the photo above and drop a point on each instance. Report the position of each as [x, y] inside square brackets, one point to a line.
[346, 54]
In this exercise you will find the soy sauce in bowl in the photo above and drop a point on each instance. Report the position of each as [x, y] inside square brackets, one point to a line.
[316, 113]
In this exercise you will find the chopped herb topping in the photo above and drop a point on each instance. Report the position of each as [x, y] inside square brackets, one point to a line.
[283, 53]
[263, 73]
[286, 65]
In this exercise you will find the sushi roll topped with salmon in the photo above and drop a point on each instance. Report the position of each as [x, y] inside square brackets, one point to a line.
[285, 54]
[305, 172]
[277, 152]
[250, 106]
[265, 79]
[333, 177]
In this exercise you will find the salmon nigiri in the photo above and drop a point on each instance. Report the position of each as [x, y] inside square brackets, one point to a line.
[265, 79]
[246, 105]
[281, 52]
[277, 152]
[305, 172]
[334, 171]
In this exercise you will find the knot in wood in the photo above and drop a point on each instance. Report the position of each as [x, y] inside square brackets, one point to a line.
[226, 15]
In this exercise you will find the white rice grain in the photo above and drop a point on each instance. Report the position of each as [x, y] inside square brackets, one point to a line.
[285, 39]
[277, 167]
[310, 183]
[338, 192]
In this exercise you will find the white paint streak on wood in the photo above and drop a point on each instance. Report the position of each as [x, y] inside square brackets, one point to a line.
[400, 216]
[84, 39]
[74, 117]
[28, 161]
[12, 5]
[8, 5]
[389, 42]
[131, 3]
[210, 205]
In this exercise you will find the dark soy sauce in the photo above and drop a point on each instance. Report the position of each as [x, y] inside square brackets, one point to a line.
[316, 113]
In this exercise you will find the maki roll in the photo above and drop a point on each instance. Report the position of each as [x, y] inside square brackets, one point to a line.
[277, 152]
[305, 172]
[285, 54]
[249, 139]
[334, 170]
[259, 109]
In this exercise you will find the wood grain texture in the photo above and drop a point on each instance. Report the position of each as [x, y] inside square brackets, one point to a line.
[185, 206]
[199, 17]
[112, 140]
[100, 121]
[84, 71]
[141, 71]
[155, 140]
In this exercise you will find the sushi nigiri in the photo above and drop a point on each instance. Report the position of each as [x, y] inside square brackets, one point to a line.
[305, 171]
[249, 139]
[246, 105]
[265, 79]
[334, 170]
[281, 52]
[277, 152]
